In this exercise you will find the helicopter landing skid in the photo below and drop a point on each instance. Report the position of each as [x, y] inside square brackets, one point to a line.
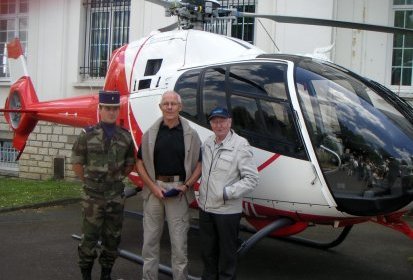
[309, 242]
[264, 232]
[320, 245]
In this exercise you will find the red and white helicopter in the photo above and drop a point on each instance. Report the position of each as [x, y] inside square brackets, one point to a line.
[332, 148]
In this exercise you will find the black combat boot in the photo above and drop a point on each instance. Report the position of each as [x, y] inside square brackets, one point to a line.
[105, 274]
[86, 273]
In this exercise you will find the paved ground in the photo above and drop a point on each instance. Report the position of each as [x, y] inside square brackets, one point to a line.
[37, 244]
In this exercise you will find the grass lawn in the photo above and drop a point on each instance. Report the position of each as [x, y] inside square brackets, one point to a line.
[15, 192]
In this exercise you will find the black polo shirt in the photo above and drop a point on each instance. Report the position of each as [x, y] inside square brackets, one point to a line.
[169, 152]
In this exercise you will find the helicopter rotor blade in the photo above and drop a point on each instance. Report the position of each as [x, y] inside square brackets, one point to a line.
[328, 22]
[169, 27]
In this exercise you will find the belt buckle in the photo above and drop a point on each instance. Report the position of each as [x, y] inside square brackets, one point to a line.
[173, 179]
[169, 179]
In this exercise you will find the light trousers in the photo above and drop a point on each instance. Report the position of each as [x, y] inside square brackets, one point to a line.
[175, 211]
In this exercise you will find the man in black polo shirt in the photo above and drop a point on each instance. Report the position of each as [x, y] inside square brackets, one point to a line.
[169, 163]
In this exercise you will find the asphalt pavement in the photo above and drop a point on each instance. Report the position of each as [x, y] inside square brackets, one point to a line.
[37, 244]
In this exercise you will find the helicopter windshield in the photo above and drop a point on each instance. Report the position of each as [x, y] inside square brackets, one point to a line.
[364, 145]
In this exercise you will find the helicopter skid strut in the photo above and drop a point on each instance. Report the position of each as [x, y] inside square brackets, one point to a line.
[264, 232]
[309, 242]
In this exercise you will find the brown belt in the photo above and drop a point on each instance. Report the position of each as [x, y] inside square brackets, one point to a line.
[169, 179]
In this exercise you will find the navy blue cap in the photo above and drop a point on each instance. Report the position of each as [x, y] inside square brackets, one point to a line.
[219, 112]
[109, 98]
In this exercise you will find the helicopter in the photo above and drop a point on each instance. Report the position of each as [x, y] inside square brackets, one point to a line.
[332, 147]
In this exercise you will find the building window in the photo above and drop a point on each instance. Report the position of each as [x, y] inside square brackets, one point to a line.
[13, 23]
[241, 28]
[402, 62]
[8, 156]
[107, 28]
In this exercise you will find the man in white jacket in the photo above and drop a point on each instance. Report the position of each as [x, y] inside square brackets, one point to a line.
[228, 173]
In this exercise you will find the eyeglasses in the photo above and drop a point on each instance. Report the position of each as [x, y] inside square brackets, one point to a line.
[167, 104]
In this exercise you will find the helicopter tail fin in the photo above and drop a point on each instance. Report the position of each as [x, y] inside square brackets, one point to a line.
[22, 95]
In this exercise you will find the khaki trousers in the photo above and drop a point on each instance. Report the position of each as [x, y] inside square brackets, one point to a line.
[175, 211]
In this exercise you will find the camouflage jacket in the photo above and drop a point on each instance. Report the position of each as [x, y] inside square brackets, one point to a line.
[104, 161]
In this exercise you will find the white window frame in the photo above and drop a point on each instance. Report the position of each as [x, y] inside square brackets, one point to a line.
[400, 86]
[17, 31]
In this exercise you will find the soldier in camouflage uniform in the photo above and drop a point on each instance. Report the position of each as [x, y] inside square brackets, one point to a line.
[102, 156]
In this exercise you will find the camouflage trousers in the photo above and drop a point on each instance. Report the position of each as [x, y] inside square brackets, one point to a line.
[102, 218]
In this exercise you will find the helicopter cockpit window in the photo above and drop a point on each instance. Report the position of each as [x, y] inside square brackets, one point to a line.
[213, 89]
[187, 87]
[364, 145]
[260, 109]
[266, 79]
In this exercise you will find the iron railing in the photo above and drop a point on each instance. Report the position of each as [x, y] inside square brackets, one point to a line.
[8, 156]
[241, 28]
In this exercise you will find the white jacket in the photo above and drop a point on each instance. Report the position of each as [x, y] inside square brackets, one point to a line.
[228, 168]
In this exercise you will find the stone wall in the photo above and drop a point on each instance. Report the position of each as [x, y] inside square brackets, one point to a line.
[46, 143]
